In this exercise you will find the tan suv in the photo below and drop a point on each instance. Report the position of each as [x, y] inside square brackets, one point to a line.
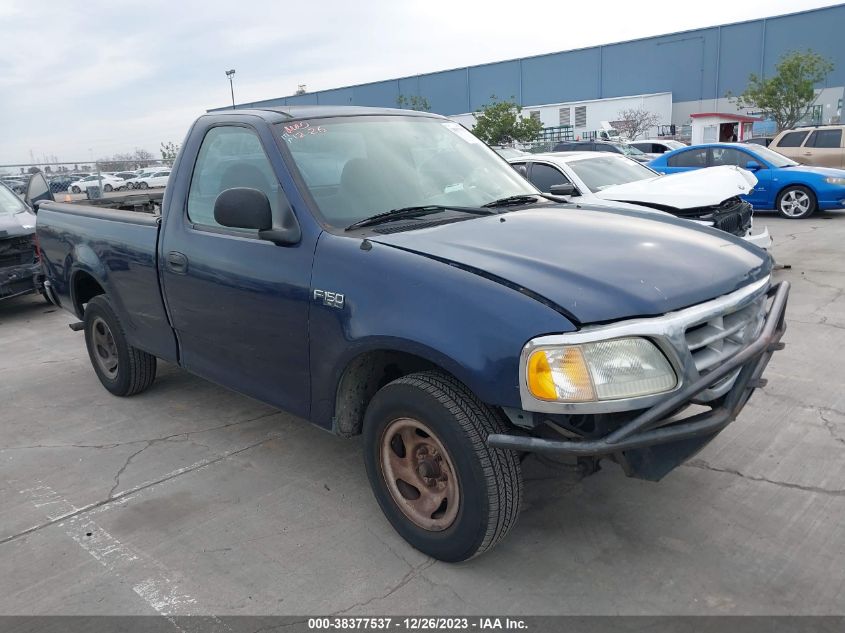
[823, 145]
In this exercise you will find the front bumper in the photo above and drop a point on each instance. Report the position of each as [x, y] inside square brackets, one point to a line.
[762, 240]
[654, 442]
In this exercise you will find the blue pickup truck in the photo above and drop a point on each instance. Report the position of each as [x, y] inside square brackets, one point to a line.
[384, 273]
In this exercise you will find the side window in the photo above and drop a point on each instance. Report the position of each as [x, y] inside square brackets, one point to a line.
[729, 156]
[792, 139]
[825, 138]
[229, 157]
[691, 158]
[544, 176]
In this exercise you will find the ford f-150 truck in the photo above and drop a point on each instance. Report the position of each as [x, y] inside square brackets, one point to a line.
[383, 272]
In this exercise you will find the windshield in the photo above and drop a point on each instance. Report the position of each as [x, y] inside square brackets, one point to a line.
[630, 150]
[9, 202]
[356, 167]
[771, 156]
[605, 171]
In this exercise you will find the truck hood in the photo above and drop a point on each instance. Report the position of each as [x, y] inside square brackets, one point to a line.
[685, 190]
[593, 264]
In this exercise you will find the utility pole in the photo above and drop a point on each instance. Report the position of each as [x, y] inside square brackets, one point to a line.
[230, 74]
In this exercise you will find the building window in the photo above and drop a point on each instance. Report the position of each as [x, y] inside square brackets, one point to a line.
[563, 116]
[580, 116]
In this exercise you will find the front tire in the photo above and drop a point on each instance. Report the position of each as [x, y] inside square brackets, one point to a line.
[796, 202]
[76, 189]
[130, 185]
[438, 483]
[142, 185]
[108, 188]
[122, 369]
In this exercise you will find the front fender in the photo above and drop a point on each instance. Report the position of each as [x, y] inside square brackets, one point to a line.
[468, 325]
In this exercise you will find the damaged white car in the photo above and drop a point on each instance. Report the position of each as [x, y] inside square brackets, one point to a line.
[708, 196]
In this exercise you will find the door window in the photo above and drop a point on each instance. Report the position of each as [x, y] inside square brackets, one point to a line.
[230, 156]
[691, 158]
[729, 156]
[544, 176]
[792, 139]
[825, 138]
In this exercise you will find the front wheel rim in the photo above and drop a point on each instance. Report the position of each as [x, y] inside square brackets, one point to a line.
[420, 474]
[795, 203]
[105, 349]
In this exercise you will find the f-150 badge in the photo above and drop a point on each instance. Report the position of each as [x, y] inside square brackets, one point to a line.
[330, 299]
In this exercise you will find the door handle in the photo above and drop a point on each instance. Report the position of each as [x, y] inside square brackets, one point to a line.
[808, 153]
[177, 262]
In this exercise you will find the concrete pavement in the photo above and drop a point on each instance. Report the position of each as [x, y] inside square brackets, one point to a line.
[190, 499]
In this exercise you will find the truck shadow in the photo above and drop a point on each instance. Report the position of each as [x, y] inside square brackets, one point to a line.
[26, 305]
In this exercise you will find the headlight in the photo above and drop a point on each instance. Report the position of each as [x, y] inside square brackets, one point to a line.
[603, 370]
[833, 180]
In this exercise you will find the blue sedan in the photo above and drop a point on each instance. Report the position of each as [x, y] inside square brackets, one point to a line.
[794, 190]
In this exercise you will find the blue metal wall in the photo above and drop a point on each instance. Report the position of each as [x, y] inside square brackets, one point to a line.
[693, 65]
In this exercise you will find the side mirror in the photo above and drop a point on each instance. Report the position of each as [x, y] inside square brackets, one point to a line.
[37, 191]
[753, 165]
[566, 189]
[245, 208]
[522, 170]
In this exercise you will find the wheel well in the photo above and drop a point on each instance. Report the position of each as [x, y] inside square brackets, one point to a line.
[363, 377]
[85, 288]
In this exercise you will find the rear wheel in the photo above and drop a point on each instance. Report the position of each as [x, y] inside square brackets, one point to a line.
[108, 188]
[130, 185]
[142, 185]
[438, 483]
[796, 202]
[122, 369]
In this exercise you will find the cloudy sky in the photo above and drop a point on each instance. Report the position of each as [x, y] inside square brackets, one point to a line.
[98, 77]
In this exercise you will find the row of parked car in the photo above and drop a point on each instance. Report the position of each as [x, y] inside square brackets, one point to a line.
[794, 189]
[115, 181]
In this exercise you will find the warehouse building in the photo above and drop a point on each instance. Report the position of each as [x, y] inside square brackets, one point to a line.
[674, 75]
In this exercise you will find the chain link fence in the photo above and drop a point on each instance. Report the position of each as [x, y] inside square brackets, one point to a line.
[90, 179]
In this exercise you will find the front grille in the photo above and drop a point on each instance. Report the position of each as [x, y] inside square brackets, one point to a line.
[17, 251]
[712, 342]
[734, 219]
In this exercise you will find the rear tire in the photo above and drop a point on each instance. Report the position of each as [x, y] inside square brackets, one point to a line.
[142, 185]
[122, 369]
[130, 185]
[796, 202]
[108, 188]
[425, 441]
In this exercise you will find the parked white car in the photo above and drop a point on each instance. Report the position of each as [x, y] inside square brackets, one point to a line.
[155, 179]
[104, 181]
[706, 196]
[132, 183]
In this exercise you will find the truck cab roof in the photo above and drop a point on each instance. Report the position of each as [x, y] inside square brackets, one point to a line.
[279, 114]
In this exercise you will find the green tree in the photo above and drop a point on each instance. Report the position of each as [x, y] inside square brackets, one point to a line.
[786, 96]
[501, 122]
[413, 102]
[169, 150]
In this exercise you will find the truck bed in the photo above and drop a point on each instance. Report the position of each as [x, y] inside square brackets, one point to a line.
[82, 242]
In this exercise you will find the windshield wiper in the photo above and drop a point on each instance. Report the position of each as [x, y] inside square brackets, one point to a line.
[523, 199]
[413, 212]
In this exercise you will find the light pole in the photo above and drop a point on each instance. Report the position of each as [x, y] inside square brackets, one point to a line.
[230, 74]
